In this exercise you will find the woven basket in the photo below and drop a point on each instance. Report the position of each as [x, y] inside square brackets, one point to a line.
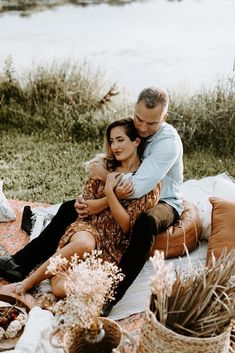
[156, 338]
[74, 340]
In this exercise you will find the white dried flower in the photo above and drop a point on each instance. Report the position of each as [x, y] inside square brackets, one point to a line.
[13, 328]
[89, 283]
[2, 333]
[164, 275]
[161, 283]
[57, 265]
[22, 318]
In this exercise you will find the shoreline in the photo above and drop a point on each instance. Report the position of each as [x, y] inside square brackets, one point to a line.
[28, 6]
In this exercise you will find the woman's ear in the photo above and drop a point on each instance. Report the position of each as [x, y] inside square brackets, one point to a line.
[137, 141]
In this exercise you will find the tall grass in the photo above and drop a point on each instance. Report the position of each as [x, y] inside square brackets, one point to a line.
[53, 119]
[62, 100]
[70, 102]
[207, 119]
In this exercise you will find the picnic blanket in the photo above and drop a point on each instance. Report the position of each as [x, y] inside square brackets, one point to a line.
[129, 311]
[13, 238]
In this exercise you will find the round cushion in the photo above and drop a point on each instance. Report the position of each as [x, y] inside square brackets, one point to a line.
[184, 233]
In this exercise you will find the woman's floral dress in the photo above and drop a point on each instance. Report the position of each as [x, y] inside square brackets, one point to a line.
[107, 233]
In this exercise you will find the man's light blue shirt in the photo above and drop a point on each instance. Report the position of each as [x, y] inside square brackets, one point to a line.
[162, 162]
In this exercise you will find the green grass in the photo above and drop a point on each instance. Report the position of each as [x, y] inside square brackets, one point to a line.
[55, 119]
[39, 168]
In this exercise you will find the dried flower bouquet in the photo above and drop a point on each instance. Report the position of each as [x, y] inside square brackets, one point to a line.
[201, 303]
[89, 284]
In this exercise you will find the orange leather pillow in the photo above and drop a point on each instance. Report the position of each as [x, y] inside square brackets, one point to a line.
[185, 232]
[222, 227]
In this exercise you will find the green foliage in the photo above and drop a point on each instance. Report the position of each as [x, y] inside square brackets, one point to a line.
[69, 102]
[61, 99]
[207, 119]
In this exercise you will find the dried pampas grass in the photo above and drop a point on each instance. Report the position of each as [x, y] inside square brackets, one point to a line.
[201, 303]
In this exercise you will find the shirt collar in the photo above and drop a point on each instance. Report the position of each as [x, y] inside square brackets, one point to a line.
[152, 137]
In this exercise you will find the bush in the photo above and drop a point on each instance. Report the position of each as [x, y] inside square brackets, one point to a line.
[66, 101]
[207, 119]
[59, 99]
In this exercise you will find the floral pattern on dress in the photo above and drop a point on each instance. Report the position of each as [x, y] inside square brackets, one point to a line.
[108, 235]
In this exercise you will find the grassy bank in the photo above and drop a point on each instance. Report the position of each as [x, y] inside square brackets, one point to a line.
[71, 102]
[54, 120]
[37, 168]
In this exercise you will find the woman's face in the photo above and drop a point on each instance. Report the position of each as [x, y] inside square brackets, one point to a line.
[121, 145]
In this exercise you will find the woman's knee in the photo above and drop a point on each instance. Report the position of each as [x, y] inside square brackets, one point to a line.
[57, 287]
[83, 242]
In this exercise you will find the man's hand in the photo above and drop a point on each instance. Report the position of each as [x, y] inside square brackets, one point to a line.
[112, 181]
[124, 189]
[98, 171]
[81, 207]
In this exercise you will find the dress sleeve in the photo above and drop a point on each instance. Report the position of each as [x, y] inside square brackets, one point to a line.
[137, 206]
[90, 190]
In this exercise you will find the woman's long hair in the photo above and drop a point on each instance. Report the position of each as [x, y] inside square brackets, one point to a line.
[128, 125]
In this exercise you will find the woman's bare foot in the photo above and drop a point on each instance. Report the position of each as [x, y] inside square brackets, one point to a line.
[9, 288]
[19, 288]
[28, 300]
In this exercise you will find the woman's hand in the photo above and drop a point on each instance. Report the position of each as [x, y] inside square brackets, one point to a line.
[112, 181]
[81, 207]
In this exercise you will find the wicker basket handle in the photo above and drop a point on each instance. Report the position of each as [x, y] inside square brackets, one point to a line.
[126, 339]
[58, 343]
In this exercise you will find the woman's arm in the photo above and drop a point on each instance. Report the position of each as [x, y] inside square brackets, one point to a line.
[118, 211]
[88, 204]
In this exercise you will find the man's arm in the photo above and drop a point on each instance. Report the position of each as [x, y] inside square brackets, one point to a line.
[156, 165]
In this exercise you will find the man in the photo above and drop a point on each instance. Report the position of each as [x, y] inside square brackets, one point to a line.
[162, 162]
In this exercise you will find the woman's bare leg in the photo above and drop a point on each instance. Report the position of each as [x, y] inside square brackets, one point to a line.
[80, 243]
[57, 282]
[57, 286]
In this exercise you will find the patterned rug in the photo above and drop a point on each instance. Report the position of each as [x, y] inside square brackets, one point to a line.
[13, 238]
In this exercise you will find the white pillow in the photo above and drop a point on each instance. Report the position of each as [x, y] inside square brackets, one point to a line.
[6, 212]
[41, 218]
[199, 191]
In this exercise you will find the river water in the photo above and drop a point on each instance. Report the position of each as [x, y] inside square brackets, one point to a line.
[179, 45]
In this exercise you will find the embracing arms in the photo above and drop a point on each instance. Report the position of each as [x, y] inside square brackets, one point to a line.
[91, 205]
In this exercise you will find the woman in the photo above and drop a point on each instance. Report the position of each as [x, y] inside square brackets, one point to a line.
[110, 229]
